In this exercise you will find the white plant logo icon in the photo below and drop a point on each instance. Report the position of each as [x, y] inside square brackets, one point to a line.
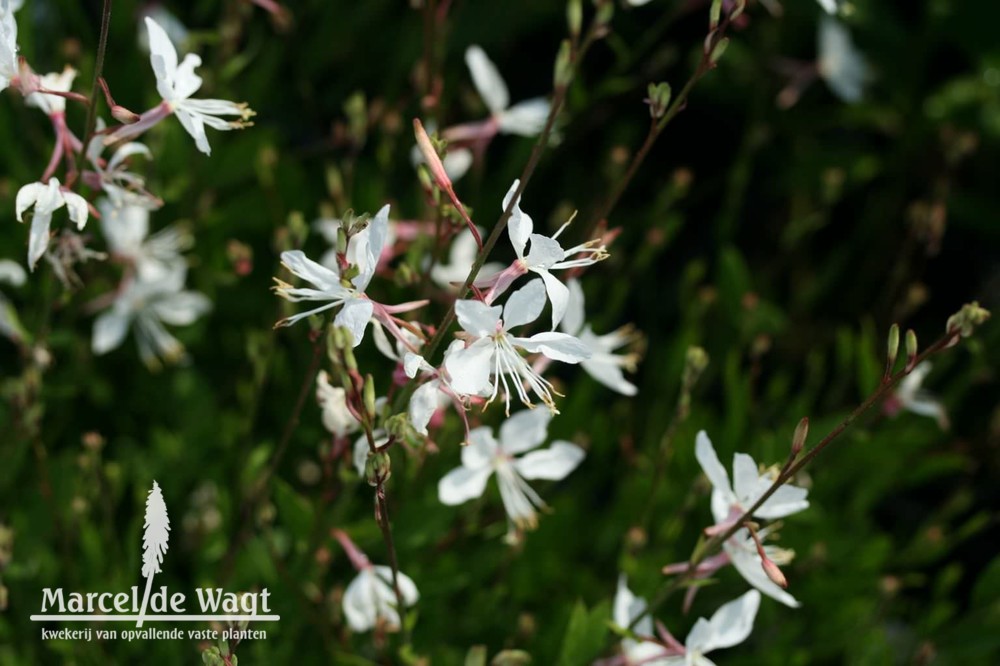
[156, 532]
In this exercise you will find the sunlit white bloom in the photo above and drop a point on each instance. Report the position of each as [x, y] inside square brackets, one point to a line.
[356, 309]
[484, 456]
[524, 118]
[175, 84]
[146, 307]
[910, 396]
[9, 66]
[126, 229]
[545, 255]
[603, 365]
[743, 555]
[839, 62]
[121, 185]
[47, 198]
[56, 82]
[461, 256]
[748, 485]
[10, 325]
[494, 355]
[337, 418]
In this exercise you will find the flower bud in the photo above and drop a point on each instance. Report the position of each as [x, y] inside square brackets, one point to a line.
[123, 115]
[714, 14]
[718, 50]
[658, 98]
[431, 157]
[574, 16]
[564, 65]
[911, 349]
[605, 10]
[965, 320]
[378, 468]
[774, 573]
[800, 435]
[369, 396]
[892, 348]
[695, 362]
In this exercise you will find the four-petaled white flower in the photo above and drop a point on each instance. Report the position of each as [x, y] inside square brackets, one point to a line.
[176, 83]
[603, 365]
[126, 229]
[356, 311]
[524, 118]
[730, 501]
[544, 255]
[337, 418]
[839, 62]
[728, 626]
[146, 307]
[910, 396]
[47, 199]
[484, 456]
[495, 353]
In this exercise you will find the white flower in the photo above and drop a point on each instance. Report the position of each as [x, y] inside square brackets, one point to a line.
[56, 82]
[743, 555]
[126, 229]
[840, 63]
[748, 485]
[525, 118]
[146, 307]
[495, 352]
[172, 25]
[910, 396]
[47, 199]
[829, 6]
[545, 255]
[628, 607]
[603, 365]
[177, 82]
[363, 251]
[122, 186]
[337, 418]
[370, 599]
[461, 256]
[484, 455]
[10, 326]
[9, 66]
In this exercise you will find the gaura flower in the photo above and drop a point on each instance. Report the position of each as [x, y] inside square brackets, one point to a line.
[175, 84]
[126, 229]
[544, 256]
[146, 307]
[121, 185]
[603, 365]
[839, 62]
[484, 456]
[730, 501]
[627, 607]
[337, 417]
[495, 353]
[52, 105]
[911, 397]
[47, 199]
[461, 256]
[370, 600]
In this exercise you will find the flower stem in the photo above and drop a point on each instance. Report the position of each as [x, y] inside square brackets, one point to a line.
[95, 89]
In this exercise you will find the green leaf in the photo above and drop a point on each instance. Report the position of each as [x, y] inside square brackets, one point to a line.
[584, 638]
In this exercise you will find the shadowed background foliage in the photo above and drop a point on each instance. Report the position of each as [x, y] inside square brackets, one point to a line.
[784, 241]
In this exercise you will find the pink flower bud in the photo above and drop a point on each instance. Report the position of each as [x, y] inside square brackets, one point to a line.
[774, 573]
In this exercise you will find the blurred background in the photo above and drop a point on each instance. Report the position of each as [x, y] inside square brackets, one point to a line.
[782, 221]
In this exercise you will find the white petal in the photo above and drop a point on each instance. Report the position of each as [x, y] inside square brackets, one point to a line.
[524, 305]
[359, 602]
[77, 208]
[183, 308]
[12, 273]
[729, 626]
[355, 315]
[610, 374]
[785, 501]
[478, 318]
[26, 198]
[526, 118]
[124, 227]
[840, 63]
[557, 346]
[38, 236]
[829, 6]
[553, 463]
[462, 484]
[110, 329]
[470, 368]
[302, 266]
[524, 431]
[748, 564]
[544, 252]
[627, 607]
[195, 126]
[162, 54]
[520, 225]
[709, 461]
[457, 162]
[186, 82]
[575, 317]
[745, 478]
[407, 587]
[558, 296]
[487, 79]
[423, 404]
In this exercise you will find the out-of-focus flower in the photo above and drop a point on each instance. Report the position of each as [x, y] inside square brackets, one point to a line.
[126, 229]
[910, 396]
[9, 67]
[525, 118]
[495, 353]
[337, 418]
[370, 600]
[544, 256]
[10, 325]
[121, 185]
[627, 607]
[748, 485]
[461, 256]
[603, 365]
[47, 198]
[485, 456]
[56, 82]
[839, 62]
[829, 6]
[146, 307]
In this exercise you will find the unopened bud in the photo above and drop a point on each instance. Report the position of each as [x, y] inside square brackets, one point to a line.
[369, 396]
[341, 240]
[965, 320]
[892, 348]
[741, 6]
[574, 16]
[911, 349]
[714, 14]
[564, 65]
[774, 573]
[658, 98]
[378, 467]
[695, 362]
[605, 10]
[718, 50]
[800, 435]
[431, 157]
[123, 115]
